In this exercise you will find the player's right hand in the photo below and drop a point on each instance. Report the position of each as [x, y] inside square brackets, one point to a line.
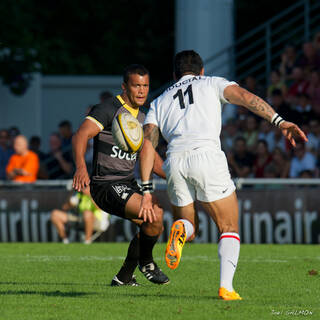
[146, 212]
[80, 179]
[291, 131]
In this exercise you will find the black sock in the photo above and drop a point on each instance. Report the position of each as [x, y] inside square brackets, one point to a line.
[146, 246]
[131, 262]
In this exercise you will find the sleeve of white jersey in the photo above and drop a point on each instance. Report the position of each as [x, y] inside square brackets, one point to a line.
[151, 117]
[221, 84]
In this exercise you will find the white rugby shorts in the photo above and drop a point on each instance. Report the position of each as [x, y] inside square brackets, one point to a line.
[200, 174]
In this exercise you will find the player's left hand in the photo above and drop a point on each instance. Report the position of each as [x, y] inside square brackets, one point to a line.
[291, 131]
[146, 209]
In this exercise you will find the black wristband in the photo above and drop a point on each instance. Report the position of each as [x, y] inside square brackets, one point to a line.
[277, 120]
[147, 186]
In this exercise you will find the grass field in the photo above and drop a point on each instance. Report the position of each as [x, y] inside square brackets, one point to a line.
[56, 281]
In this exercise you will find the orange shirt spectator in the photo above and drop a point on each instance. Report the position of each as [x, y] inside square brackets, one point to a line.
[23, 166]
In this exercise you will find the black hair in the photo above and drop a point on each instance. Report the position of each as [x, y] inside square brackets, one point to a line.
[134, 69]
[35, 139]
[276, 92]
[65, 123]
[242, 139]
[264, 142]
[55, 134]
[104, 95]
[187, 62]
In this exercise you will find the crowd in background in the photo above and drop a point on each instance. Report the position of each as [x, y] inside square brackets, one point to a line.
[253, 146]
[23, 161]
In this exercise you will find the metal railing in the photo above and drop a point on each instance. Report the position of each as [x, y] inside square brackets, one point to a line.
[161, 184]
[258, 51]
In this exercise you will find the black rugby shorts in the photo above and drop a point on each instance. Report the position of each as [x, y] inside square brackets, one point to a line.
[113, 196]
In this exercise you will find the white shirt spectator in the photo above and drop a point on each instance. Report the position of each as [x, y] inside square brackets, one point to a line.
[307, 162]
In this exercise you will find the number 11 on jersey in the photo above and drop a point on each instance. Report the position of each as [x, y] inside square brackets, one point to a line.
[181, 95]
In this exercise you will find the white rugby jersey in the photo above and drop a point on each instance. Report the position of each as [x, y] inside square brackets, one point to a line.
[188, 113]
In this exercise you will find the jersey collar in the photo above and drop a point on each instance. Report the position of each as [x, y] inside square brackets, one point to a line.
[133, 111]
[186, 76]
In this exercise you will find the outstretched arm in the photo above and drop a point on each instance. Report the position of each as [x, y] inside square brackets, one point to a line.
[86, 131]
[148, 153]
[147, 161]
[240, 96]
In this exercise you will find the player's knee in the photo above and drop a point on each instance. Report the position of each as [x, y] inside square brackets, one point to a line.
[87, 215]
[54, 215]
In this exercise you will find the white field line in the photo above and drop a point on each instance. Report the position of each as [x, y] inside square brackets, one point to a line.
[66, 258]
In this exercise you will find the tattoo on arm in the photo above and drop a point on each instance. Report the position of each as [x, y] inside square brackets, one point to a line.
[243, 97]
[260, 107]
[151, 132]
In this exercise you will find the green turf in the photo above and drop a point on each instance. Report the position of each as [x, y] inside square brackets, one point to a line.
[56, 281]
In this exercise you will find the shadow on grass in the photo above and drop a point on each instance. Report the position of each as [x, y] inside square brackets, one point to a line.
[174, 295]
[46, 293]
[53, 283]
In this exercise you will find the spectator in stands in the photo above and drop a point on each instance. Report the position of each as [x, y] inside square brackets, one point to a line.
[282, 107]
[316, 42]
[251, 132]
[34, 145]
[276, 83]
[105, 95]
[240, 159]
[300, 85]
[302, 160]
[279, 140]
[304, 109]
[310, 59]
[251, 84]
[270, 171]
[23, 166]
[266, 133]
[279, 163]
[65, 132]
[58, 162]
[85, 211]
[13, 132]
[263, 158]
[229, 134]
[313, 144]
[314, 91]
[229, 112]
[5, 153]
[306, 174]
[288, 62]
[242, 114]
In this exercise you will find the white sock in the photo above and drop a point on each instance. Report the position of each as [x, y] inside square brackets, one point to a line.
[228, 251]
[188, 226]
[65, 240]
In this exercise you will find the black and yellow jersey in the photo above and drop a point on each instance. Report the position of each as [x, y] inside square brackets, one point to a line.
[109, 162]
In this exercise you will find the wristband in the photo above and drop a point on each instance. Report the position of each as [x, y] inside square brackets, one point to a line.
[277, 120]
[147, 186]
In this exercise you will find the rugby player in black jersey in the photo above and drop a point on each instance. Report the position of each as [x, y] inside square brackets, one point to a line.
[112, 183]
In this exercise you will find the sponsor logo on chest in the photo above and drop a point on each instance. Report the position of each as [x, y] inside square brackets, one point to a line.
[120, 154]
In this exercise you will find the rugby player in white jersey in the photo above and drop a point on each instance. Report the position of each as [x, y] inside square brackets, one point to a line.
[188, 115]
